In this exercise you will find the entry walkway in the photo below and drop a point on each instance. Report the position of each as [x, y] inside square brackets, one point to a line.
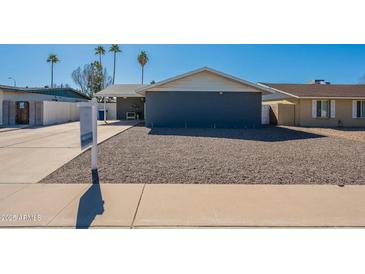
[30, 154]
[176, 205]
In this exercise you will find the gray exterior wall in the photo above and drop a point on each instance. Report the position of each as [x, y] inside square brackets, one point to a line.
[38, 119]
[8, 113]
[203, 109]
[32, 113]
[127, 104]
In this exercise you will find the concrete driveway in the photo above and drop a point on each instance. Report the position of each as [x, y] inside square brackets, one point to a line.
[30, 154]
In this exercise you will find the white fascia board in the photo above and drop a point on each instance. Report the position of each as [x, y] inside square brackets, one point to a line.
[273, 90]
[334, 98]
[118, 95]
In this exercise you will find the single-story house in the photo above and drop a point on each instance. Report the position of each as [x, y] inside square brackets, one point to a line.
[23, 105]
[200, 98]
[318, 104]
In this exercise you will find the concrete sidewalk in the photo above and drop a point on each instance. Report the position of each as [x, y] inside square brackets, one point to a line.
[176, 205]
[28, 155]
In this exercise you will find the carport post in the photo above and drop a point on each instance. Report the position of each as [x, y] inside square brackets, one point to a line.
[104, 109]
[94, 148]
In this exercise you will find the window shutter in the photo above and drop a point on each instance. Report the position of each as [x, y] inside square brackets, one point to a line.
[333, 108]
[354, 109]
[314, 108]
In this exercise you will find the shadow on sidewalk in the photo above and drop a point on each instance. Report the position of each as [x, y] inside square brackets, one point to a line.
[91, 203]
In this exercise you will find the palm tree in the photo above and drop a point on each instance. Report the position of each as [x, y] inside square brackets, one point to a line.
[142, 60]
[115, 49]
[53, 59]
[99, 51]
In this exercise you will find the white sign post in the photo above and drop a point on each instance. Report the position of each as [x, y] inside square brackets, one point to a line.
[88, 129]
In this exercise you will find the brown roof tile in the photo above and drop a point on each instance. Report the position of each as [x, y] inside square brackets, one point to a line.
[318, 90]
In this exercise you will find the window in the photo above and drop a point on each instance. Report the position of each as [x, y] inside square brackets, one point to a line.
[323, 109]
[360, 109]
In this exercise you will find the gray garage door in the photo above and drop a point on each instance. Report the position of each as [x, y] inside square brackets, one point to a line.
[203, 109]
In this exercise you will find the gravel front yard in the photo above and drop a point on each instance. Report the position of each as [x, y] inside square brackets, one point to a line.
[355, 134]
[271, 155]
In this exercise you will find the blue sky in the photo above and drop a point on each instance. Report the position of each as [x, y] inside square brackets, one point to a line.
[257, 63]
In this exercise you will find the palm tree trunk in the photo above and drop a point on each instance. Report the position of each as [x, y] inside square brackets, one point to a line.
[114, 67]
[142, 74]
[51, 74]
[100, 59]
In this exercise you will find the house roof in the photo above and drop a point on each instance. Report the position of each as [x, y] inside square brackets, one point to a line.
[121, 90]
[318, 90]
[143, 89]
[61, 92]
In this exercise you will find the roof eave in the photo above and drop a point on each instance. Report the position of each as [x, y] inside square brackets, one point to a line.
[42, 90]
[334, 97]
[273, 90]
[119, 95]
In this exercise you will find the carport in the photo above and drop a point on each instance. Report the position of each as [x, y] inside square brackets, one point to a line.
[130, 104]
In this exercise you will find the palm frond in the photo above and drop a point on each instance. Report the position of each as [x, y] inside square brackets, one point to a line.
[52, 58]
[142, 58]
[115, 48]
[99, 50]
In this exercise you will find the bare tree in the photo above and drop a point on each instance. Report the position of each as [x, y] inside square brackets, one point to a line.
[92, 78]
[80, 78]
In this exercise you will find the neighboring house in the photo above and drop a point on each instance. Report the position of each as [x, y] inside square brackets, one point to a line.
[200, 98]
[319, 104]
[21, 105]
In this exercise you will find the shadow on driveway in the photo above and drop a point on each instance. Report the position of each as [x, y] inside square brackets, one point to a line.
[120, 123]
[91, 203]
[265, 133]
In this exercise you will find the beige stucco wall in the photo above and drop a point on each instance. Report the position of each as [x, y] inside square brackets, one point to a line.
[1, 106]
[302, 112]
[286, 114]
[283, 112]
[205, 81]
[343, 113]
